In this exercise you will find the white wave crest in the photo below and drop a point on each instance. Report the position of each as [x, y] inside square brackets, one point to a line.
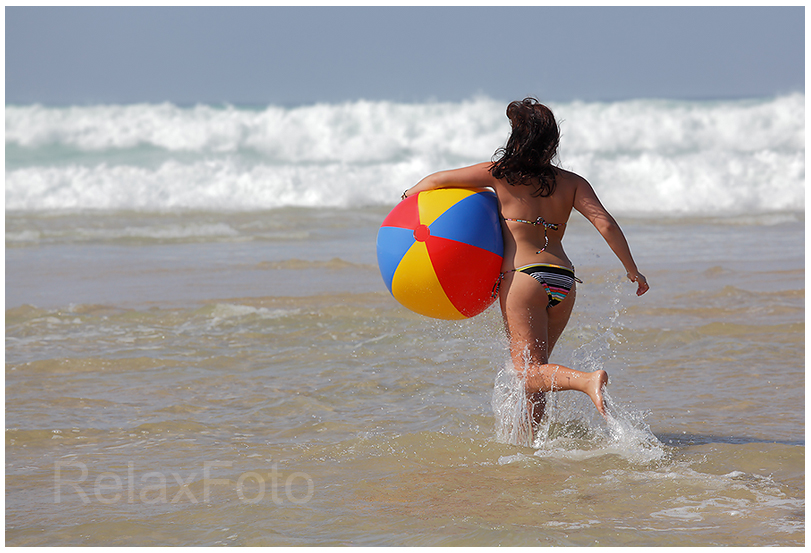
[353, 132]
[647, 156]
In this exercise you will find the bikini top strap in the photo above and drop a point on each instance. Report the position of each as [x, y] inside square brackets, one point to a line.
[537, 222]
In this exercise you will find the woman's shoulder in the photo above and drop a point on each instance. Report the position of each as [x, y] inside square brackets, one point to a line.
[568, 177]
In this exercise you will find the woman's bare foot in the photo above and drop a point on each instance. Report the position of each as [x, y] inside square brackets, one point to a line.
[594, 390]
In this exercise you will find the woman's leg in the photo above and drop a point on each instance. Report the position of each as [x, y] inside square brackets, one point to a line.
[559, 318]
[533, 331]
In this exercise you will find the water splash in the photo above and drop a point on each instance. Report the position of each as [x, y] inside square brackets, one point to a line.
[571, 427]
[592, 353]
[513, 423]
[629, 434]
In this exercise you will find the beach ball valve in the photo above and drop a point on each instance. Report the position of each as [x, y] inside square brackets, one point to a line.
[440, 252]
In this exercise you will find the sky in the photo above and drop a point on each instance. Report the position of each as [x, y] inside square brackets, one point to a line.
[304, 55]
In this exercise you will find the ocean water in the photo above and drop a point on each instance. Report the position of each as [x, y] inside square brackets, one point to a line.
[200, 349]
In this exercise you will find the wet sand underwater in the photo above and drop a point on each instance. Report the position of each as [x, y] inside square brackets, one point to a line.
[244, 378]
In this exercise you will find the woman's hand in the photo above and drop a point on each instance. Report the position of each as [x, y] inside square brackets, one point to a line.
[641, 281]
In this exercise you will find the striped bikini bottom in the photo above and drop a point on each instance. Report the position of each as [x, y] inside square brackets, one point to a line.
[556, 280]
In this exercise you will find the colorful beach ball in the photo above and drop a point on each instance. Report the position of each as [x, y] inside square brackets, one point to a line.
[440, 252]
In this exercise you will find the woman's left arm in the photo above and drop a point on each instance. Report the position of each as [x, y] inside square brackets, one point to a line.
[475, 176]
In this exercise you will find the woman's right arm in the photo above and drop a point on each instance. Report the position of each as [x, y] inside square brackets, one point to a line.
[475, 176]
[587, 203]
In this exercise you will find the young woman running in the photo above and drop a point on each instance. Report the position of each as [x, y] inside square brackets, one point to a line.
[537, 283]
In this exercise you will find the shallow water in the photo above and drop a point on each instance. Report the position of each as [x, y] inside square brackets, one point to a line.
[200, 378]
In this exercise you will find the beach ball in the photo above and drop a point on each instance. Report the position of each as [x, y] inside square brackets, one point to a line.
[440, 252]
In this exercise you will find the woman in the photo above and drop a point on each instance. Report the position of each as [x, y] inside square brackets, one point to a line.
[537, 283]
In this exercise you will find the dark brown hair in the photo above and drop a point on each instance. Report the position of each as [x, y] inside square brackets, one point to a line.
[533, 143]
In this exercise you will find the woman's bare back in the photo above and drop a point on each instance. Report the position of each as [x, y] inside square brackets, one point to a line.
[522, 240]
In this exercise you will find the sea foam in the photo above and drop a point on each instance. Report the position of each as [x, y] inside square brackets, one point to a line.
[643, 157]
